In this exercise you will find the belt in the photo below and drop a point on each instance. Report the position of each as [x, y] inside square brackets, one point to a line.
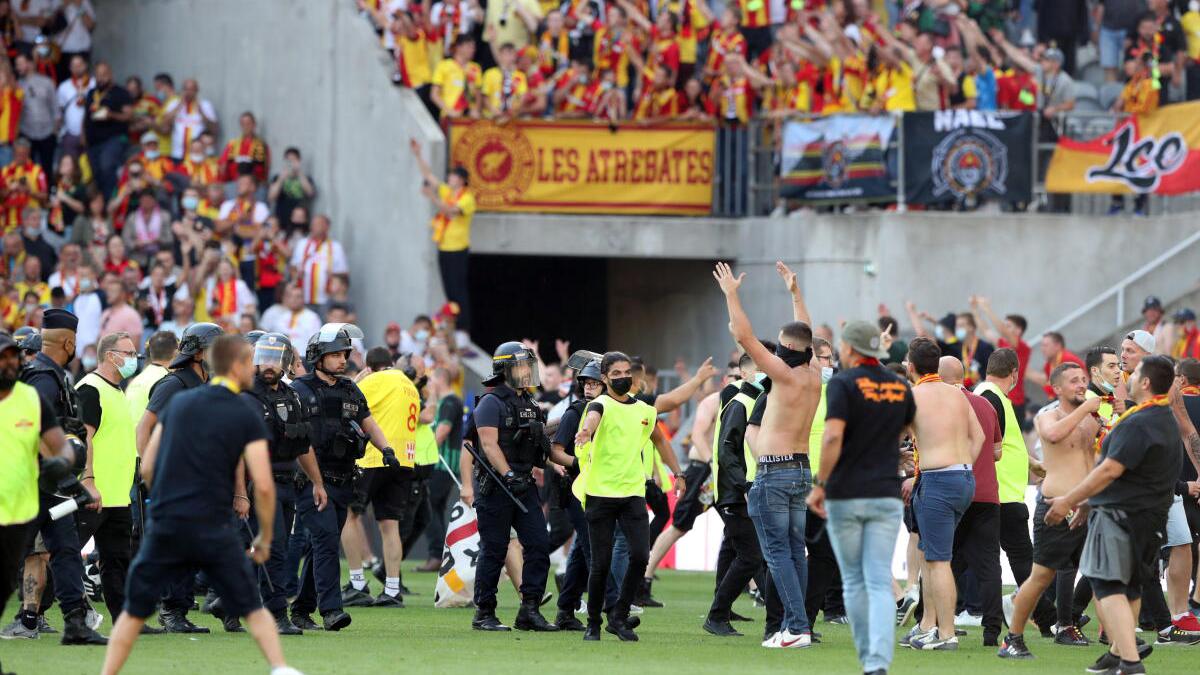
[337, 478]
[790, 461]
[697, 464]
[952, 467]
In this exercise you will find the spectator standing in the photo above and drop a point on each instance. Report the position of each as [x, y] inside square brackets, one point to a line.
[291, 188]
[68, 196]
[454, 206]
[248, 154]
[72, 107]
[67, 276]
[146, 109]
[291, 317]
[12, 99]
[1062, 23]
[120, 317]
[106, 127]
[1140, 96]
[32, 16]
[228, 296]
[88, 308]
[200, 169]
[1009, 333]
[76, 38]
[1115, 20]
[1054, 352]
[315, 259]
[455, 82]
[186, 117]
[22, 185]
[147, 230]
[39, 113]
[154, 302]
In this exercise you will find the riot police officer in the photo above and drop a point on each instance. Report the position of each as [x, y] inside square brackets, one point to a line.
[187, 372]
[288, 442]
[45, 374]
[29, 340]
[339, 425]
[507, 427]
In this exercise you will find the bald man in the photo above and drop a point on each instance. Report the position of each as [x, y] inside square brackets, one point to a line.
[977, 537]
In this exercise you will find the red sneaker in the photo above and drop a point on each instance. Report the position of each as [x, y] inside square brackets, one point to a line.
[1188, 623]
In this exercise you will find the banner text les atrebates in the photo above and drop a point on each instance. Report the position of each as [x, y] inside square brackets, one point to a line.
[581, 167]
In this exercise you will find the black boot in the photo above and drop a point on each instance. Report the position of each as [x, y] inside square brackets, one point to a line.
[720, 628]
[485, 619]
[211, 604]
[232, 624]
[566, 621]
[284, 626]
[76, 631]
[619, 625]
[177, 622]
[335, 620]
[304, 621]
[529, 617]
[645, 598]
[592, 632]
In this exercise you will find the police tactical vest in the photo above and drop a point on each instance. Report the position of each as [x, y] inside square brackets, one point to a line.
[285, 418]
[66, 405]
[328, 410]
[520, 432]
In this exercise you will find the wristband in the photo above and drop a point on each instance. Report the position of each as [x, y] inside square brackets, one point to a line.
[817, 482]
[242, 497]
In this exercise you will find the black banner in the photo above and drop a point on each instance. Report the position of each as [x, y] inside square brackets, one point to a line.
[965, 156]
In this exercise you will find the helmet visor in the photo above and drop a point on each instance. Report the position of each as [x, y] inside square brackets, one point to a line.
[521, 371]
[330, 331]
[271, 354]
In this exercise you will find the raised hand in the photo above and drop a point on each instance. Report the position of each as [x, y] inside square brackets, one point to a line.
[788, 276]
[729, 284]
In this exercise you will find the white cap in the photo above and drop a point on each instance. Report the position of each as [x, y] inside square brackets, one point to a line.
[1143, 340]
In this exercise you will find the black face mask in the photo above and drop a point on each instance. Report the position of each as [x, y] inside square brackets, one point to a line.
[766, 385]
[621, 385]
[792, 357]
[7, 382]
[421, 382]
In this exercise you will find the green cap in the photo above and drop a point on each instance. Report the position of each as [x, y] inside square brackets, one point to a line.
[863, 338]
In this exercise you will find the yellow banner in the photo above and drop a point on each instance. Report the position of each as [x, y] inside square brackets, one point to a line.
[581, 167]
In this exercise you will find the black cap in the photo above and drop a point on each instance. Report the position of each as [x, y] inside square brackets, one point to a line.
[7, 342]
[1185, 314]
[1152, 302]
[53, 319]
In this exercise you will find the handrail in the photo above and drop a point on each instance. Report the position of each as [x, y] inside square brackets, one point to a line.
[1118, 289]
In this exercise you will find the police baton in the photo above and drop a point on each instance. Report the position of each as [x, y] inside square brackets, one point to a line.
[261, 569]
[493, 475]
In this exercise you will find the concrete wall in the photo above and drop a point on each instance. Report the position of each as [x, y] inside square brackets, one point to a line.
[314, 74]
[1041, 266]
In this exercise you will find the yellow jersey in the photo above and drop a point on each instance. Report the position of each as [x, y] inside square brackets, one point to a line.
[454, 234]
[395, 406]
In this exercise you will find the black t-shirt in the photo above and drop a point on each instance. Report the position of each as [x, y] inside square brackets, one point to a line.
[450, 411]
[876, 405]
[760, 408]
[89, 402]
[647, 397]
[172, 383]
[994, 399]
[205, 432]
[568, 426]
[1147, 444]
[114, 98]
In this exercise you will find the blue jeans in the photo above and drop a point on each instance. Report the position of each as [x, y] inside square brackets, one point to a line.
[863, 533]
[776, 505]
[616, 571]
[1112, 46]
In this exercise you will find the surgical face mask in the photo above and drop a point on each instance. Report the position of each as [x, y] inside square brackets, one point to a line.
[32, 232]
[210, 150]
[421, 335]
[151, 154]
[86, 286]
[793, 357]
[960, 333]
[89, 362]
[1194, 6]
[1105, 386]
[128, 367]
[42, 50]
[939, 332]
[196, 157]
[826, 374]
[621, 385]
[191, 203]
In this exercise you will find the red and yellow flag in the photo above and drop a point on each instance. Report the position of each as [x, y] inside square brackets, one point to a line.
[1155, 153]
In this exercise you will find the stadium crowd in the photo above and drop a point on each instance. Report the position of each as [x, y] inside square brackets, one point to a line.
[772, 58]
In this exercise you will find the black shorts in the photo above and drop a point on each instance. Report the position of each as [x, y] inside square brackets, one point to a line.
[385, 489]
[689, 507]
[170, 548]
[1057, 547]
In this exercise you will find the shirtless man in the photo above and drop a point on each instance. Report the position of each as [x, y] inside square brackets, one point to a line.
[781, 449]
[1068, 433]
[948, 438]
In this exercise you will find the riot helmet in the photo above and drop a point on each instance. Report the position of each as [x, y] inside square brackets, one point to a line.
[514, 364]
[333, 338]
[274, 351]
[196, 338]
[29, 340]
[254, 336]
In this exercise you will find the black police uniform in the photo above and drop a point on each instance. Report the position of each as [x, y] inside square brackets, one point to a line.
[328, 410]
[579, 560]
[518, 421]
[191, 523]
[60, 536]
[287, 436]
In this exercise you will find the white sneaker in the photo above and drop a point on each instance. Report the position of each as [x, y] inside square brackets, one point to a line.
[965, 618]
[771, 642]
[790, 640]
[635, 610]
[1009, 609]
[285, 670]
[94, 619]
[582, 608]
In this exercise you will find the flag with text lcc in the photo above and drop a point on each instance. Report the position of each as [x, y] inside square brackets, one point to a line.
[967, 156]
[1157, 153]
